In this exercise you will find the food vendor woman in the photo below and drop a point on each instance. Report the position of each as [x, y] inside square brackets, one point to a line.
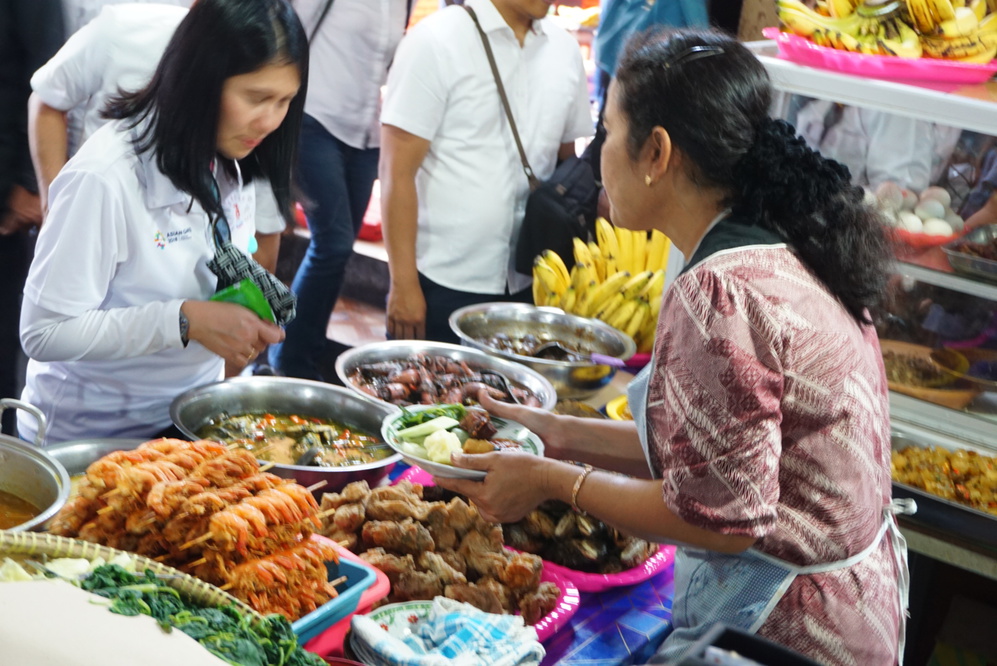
[116, 315]
[762, 420]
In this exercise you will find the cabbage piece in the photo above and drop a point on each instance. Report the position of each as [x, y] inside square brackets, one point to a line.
[440, 445]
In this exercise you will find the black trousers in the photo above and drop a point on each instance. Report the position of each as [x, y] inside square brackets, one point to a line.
[442, 301]
[15, 257]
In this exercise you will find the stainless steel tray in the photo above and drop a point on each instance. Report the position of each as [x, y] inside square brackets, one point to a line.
[970, 264]
[941, 514]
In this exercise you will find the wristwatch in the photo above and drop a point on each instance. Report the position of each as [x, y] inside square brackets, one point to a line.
[184, 328]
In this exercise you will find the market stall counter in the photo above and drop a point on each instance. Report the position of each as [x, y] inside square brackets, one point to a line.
[622, 625]
[621, 618]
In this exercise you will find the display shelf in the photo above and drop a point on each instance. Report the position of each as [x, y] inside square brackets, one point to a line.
[971, 107]
[947, 280]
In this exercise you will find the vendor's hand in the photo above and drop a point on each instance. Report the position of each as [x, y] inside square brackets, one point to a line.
[232, 331]
[546, 425]
[513, 485]
[406, 316]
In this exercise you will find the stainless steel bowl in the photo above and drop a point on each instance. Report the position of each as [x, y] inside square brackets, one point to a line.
[399, 350]
[571, 380]
[192, 410]
[76, 455]
[28, 472]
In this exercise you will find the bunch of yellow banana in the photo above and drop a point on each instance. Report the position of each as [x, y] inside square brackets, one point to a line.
[618, 279]
[877, 30]
[969, 36]
[964, 30]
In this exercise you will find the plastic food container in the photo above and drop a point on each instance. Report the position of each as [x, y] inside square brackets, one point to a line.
[329, 642]
[359, 577]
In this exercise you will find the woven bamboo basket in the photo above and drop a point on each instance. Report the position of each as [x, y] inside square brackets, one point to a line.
[195, 589]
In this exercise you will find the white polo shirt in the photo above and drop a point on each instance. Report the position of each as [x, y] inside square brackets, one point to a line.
[118, 50]
[348, 63]
[471, 186]
[118, 254]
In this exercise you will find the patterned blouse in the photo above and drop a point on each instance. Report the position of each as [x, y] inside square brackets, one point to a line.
[768, 417]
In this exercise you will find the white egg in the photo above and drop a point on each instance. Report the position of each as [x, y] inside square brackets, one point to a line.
[890, 195]
[937, 227]
[939, 194]
[908, 221]
[955, 221]
[930, 208]
[910, 199]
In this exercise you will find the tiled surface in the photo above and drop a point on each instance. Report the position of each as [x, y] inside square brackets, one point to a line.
[356, 323]
[619, 626]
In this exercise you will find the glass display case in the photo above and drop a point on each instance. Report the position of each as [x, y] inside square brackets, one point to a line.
[938, 319]
[937, 323]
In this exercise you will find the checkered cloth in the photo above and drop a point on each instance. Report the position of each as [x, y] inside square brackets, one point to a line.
[232, 265]
[455, 634]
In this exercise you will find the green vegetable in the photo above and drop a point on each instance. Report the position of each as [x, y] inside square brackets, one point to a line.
[412, 418]
[417, 433]
[224, 631]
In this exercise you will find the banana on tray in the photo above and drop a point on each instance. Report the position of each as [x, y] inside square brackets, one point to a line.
[947, 29]
[618, 278]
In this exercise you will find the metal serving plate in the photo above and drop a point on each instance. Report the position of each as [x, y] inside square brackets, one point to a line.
[76, 455]
[942, 514]
[968, 263]
[400, 350]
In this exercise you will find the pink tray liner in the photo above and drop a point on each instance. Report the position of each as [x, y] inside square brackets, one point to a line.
[585, 582]
[943, 75]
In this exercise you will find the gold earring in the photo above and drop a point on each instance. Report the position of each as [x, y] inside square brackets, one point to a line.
[647, 180]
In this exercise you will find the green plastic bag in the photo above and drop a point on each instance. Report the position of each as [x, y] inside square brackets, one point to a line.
[247, 294]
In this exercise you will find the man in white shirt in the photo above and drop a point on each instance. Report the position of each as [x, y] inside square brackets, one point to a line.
[352, 43]
[117, 50]
[453, 190]
[877, 146]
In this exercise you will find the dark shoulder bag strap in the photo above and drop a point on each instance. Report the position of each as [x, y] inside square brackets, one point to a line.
[321, 17]
[505, 100]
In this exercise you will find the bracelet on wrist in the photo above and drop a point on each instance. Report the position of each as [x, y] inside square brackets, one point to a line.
[588, 469]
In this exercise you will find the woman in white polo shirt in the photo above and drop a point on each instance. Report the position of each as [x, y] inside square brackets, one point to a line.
[116, 319]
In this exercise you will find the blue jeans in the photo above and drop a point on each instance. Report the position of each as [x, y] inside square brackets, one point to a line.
[336, 180]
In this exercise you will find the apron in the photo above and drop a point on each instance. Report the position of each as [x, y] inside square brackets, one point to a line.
[741, 590]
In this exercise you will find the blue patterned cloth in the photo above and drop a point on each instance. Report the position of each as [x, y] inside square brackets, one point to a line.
[455, 634]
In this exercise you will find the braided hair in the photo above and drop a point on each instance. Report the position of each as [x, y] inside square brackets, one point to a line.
[715, 107]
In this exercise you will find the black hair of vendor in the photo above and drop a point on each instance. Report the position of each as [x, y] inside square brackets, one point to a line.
[713, 96]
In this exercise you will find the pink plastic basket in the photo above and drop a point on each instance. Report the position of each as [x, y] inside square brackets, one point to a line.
[944, 75]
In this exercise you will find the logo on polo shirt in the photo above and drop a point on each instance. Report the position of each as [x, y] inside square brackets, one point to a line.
[179, 235]
[160, 240]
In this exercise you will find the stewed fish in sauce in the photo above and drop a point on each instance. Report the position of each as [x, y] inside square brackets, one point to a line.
[292, 439]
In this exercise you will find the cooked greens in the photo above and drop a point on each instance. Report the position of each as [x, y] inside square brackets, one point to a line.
[224, 631]
[411, 418]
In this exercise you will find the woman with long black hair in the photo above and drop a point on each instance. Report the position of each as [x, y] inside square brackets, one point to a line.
[153, 215]
[761, 442]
